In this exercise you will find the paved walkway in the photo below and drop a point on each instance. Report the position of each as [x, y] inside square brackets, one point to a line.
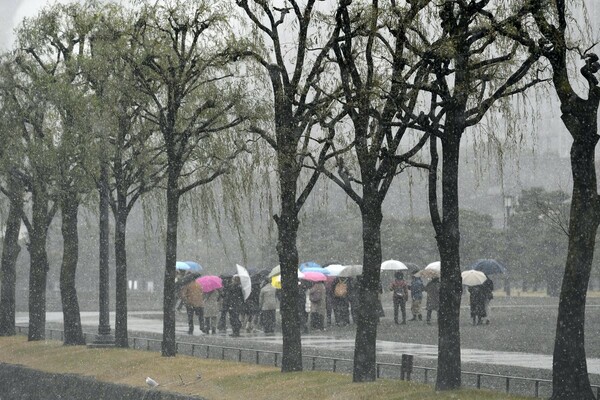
[515, 359]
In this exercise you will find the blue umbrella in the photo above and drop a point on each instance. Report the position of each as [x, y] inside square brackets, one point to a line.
[194, 266]
[180, 265]
[488, 266]
[309, 264]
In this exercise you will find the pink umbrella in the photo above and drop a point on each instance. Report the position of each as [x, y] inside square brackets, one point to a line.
[210, 283]
[314, 277]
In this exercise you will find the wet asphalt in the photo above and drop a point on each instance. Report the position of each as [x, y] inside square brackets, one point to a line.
[518, 341]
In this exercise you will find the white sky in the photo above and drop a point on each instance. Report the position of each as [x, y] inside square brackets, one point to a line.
[11, 12]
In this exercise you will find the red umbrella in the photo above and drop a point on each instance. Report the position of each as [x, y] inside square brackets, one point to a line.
[210, 283]
[314, 277]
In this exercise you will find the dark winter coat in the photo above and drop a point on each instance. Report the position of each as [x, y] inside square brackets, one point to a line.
[416, 288]
[433, 295]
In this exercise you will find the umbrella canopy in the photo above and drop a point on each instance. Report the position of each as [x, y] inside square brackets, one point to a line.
[473, 278]
[194, 266]
[488, 266]
[317, 270]
[393, 265]
[431, 270]
[314, 276]
[412, 267]
[210, 283]
[351, 271]
[260, 274]
[309, 264]
[245, 280]
[276, 280]
[275, 271]
[181, 266]
[333, 269]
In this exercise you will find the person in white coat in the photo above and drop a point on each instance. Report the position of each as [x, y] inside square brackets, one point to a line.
[268, 304]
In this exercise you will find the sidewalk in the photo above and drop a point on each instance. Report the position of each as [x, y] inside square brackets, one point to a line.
[429, 352]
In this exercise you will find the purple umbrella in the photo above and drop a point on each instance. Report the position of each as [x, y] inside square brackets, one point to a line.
[210, 283]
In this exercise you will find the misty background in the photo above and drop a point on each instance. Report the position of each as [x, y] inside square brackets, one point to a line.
[491, 171]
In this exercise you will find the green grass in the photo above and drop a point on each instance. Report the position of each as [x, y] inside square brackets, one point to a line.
[219, 379]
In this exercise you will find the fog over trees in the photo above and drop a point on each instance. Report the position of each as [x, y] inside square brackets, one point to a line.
[272, 133]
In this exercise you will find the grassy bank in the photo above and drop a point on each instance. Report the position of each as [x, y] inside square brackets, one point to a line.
[212, 379]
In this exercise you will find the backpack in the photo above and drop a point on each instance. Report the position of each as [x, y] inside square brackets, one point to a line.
[341, 289]
[399, 290]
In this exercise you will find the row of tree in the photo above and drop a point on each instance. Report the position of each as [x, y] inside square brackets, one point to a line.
[114, 102]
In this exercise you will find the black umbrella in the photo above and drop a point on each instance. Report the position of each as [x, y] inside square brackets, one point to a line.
[488, 266]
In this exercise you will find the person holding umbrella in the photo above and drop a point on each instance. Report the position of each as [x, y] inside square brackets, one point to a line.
[477, 296]
[192, 297]
[416, 288]
[268, 305]
[235, 301]
[488, 289]
[433, 297]
[399, 288]
[318, 309]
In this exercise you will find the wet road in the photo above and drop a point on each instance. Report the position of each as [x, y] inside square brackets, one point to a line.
[336, 343]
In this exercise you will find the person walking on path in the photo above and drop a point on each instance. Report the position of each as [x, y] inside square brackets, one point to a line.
[416, 288]
[477, 302]
[488, 289]
[433, 297]
[235, 302]
[399, 290]
[192, 297]
[251, 308]
[268, 306]
[340, 301]
[318, 307]
[211, 311]
[224, 292]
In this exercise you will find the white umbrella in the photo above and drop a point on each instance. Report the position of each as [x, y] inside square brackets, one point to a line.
[351, 270]
[393, 265]
[245, 280]
[334, 269]
[430, 271]
[473, 278]
[274, 271]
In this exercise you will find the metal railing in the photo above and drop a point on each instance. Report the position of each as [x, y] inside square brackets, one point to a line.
[495, 382]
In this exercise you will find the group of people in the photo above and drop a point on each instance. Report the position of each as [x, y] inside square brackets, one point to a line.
[319, 303]
[212, 308]
[479, 298]
[400, 294]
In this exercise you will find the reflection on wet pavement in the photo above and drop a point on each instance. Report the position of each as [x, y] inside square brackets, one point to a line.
[515, 359]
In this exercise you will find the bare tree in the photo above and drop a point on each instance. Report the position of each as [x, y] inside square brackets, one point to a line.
[380, 82]
[570, 379]
[473, 64]
[294, 66]
[180, 63]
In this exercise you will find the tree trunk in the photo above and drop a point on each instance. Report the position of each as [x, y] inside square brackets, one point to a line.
[287, 228]
[169, 348]
[10, 252]
[448, 241]
[68, 293]
[121, 338]
[570, 379]
[38, 271]
[365, 349]
[104, 331]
